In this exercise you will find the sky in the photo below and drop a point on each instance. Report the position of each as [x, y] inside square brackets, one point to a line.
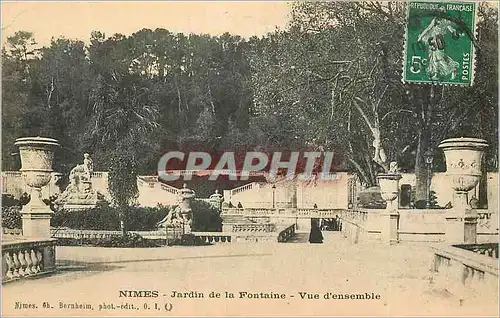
[76, 20]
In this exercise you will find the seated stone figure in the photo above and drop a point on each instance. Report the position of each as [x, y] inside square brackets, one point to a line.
[182, 215]
[79, 190]
[175, 219]
[85, 170]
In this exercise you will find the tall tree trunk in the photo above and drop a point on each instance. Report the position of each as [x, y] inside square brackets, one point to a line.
[421, 174]
[122, 221]
[483, 186]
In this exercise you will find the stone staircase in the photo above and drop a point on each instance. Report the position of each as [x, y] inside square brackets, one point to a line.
[299, 237]
[152, 192]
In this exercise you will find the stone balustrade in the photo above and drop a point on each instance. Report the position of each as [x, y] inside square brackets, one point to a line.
[12, 174]
[212, 237]
[246, 187]
[285, 212]
[262, 204]
[464, 272]
[103, 234]
[233, 211]
[143, 183]
[254, 227]
[99, 174]
[426, 225]
[286, 234]
[170, 189]
[27, 258]
[12, 232]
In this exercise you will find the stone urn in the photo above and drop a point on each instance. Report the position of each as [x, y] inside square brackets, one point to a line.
[389, 187]
[37, 155]
[463, 164]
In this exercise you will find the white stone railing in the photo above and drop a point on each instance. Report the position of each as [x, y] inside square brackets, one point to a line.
[170, 233]
[169, 189]
[12, 232]
[144, 183]
[291, 212]
[212, 237]
[286, 234]
[246, 187]
[360, 224]
[101, 234]
[464, 272]
[26, 258]
[424, 225]
[233, 211]
[99, 174]
[254, 227]
[14, 174]
[262, 204]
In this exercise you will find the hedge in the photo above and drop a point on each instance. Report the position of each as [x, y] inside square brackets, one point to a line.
[11, 217]
[130, 240]
[104, 217]
[206, 218]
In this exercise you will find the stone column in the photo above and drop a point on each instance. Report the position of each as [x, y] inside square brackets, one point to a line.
[186, 197]
[389, 190]
[463, 166]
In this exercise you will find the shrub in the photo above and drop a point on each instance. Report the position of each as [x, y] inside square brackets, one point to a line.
[371, 198]
[9, 200]
[206, 217]
[131, 240]
[105, 217]
[11, 217]
[24, 199]
[102, 217]
[145, 218]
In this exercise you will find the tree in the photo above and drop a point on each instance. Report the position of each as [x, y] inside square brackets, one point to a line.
[344, 60]
[123, 182]
[124, 119]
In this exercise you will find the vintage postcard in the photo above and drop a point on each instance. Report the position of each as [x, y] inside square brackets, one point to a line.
[249, 158]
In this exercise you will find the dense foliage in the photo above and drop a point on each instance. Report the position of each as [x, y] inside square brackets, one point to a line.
[11, 217]
[106, 217]
[124, 241]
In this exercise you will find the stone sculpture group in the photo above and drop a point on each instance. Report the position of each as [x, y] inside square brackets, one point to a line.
[79, 192]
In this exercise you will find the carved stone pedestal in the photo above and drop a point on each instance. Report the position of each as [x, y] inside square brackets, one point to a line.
[36, 224]
[390, 227]
[461, 227]
[389, 190]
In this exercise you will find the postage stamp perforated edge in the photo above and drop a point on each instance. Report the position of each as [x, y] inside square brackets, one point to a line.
[473, 57]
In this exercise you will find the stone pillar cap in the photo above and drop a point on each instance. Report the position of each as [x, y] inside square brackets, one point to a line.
[36, 141]
[463, 142]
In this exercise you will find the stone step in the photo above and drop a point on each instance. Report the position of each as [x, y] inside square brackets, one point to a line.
[299, 237]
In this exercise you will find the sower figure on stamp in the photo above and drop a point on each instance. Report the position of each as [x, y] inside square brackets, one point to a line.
[440, 64]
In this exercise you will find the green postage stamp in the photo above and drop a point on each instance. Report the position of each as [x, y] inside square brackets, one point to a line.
[439, 46]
